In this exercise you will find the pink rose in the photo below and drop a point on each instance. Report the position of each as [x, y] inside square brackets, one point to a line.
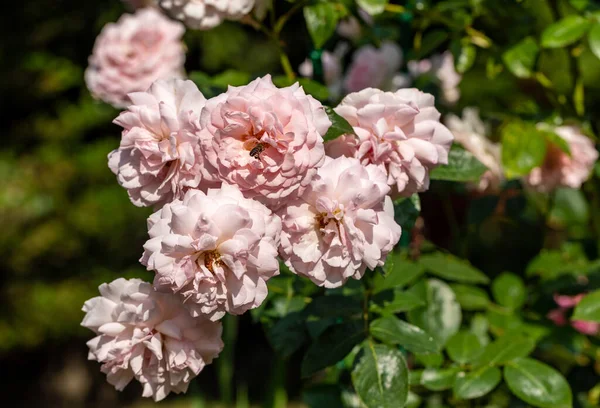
[131, 54]
[266, 140]
[471, 132]
[559, 316]
[343, 224]
[561, 170]
[583, 327]
[148, 336]
[206, 14]
[217, 250]
[372, 67]
[400, 132]
[159, 155]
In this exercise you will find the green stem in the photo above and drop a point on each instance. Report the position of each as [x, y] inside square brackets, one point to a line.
[225, 362]
[277, 397]
[286, 65]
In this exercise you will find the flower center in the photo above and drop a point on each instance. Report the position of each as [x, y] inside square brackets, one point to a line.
[323, 219]
[212, 258]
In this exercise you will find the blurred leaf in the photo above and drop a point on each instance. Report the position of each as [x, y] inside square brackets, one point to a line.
[323, 395]
[288, 334]
[332, 346]
[594, 39]
[579, 97]
[509, 290]
[334, 306]
[462, 166]
[380, 377]
[315, 89]
[471, 297]
[463, 347]
[452, 268]
[523, 148]
[339, 125]
[570, 208]
[538, 384]
[442, 316]
[406, 212]
[555, 65]
[321, 21]
[231, 77]
[550, 264]
[589, 308]
[439, 379]
[399, 301]
[399, 271]
[430, 359]
[579, 5]
[431, 41]
[372, 7]
[503, 350]
[479, 327]
[464, 55]
[557, 141]
[477, 383]
[392, 330]
[564, 32]
[520, 59]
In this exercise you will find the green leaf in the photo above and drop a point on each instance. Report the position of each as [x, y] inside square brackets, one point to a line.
[399, 272]
[380, 377]
[339, 125]
[231, 77]
[430, 359]
[520, 59]
[372, 7]
[439, 379]
[523, 148]
[321, 21]
[464, 55]
[594, 39]
[392, 330]
[452, 268]
[555, 65]
[509, 290]
[471, 297]
[503, 350]
[570, 208]
[406, 212]
[479, 327]
[538, 384]
[334, 306]
[314, 88]
[589, 308]
[332, 346]
[431, 41]
[557, 141]
[442, 316]
[395, 301]
[477, 383]
[463, 347]
[462, 166]
[564, 32]
[288, 334]
[323, 395]
[550, 264]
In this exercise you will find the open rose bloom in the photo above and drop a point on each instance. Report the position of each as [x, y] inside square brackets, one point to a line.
[559, 315]
[216, 250]
[560, 169]
[148, 336]
[342, 225]
[159, 155]
[267, 141]
[131, 54]
[373, 67]
[400, 132]
[207, 14]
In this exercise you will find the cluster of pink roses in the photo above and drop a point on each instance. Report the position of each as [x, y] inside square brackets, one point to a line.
[238, 180]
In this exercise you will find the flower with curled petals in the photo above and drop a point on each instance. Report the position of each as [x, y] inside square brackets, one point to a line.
[399, 132]
[343, 224]
[159, 155]
[217, 250]
[148, 336]
[207, 14]
[267, 141]
[131, 54]
[560, 169]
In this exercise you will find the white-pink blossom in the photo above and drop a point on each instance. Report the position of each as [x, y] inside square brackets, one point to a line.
[216, 250]
[441, 67]
[131, 54]
[207, 14]
[560, 169]
[470, 132]
[159, 156]
[343, 224]
[268, 141]
[373, 67]
[400, 132]
[148, 336]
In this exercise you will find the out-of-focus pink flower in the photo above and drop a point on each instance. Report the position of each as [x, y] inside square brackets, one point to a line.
[266, 140]
[131, 54]
[561, 170]
[217, 250]
[441, 66]
[559, 316]
[343, 224]
[349, 28]
[372, 67]
[400, 132]
[148, 336]
[332, 69]
[159, 155]
[471, 132]
[206, 14]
